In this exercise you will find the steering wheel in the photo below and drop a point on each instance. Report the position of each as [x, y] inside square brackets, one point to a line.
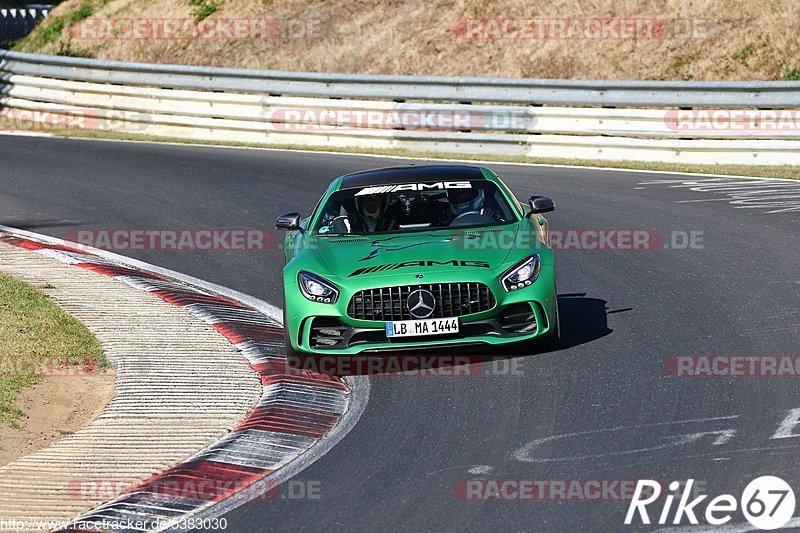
[463, 218]
[340, 225]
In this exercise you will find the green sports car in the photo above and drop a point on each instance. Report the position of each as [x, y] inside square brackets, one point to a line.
[418, 257]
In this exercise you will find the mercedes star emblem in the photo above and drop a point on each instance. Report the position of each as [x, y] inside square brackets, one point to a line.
[421, 303]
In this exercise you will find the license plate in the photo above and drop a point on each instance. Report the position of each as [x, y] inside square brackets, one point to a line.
[428, 326]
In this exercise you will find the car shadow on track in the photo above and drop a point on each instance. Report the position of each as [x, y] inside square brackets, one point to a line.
[583, 319]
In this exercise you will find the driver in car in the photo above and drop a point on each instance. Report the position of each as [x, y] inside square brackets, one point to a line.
[374, 213]
[470, 201]
[466, 201]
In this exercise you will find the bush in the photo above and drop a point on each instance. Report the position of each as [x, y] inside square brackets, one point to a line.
[84, 12]
[52, 30]
[790, 73]
[203, 8]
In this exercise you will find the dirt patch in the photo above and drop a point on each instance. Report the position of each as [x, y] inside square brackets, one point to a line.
[57, 406]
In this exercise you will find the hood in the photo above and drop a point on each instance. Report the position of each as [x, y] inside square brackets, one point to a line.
[436, 251]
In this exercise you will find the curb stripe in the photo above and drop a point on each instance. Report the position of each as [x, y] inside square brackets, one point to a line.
[36, 246]
[238, 333]
[115, 271]
[186, 298]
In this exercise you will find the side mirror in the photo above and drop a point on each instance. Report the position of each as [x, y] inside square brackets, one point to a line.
[288, 222]
[541, 204]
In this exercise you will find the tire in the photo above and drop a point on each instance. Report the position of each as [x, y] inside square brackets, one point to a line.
[545, 344]
[553, 340]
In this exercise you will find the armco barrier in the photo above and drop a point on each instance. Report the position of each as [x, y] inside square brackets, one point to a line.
[681, 122]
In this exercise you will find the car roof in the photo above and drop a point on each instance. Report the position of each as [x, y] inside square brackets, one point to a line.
[411, 174]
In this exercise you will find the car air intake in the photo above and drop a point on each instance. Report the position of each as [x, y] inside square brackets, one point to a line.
[327, 332]
[518, 318]
[390, 303]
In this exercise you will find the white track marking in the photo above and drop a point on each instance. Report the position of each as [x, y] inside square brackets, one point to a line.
[723, 437]
[742, 193]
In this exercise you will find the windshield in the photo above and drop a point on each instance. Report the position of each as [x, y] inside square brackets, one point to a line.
[384, 209]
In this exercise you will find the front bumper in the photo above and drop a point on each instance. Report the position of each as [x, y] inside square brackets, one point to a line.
[518, 316]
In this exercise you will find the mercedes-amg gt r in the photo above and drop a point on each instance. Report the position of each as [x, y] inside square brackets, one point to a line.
[418, 257]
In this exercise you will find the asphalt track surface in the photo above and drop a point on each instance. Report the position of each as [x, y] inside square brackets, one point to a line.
[617, 413]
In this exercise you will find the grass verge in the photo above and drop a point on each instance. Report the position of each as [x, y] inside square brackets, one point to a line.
[762, 171]
[38, 337]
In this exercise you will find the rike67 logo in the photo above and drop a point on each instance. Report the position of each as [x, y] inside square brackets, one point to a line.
[767, 502]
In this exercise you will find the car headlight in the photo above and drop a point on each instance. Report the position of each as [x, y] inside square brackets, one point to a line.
[521, 274]
[316, 288]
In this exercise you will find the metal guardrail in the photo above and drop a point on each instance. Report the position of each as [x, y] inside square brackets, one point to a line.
[470, 115]
[334, 116]
[449, 89]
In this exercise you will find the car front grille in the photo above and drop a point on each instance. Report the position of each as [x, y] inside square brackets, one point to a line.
[390, 303]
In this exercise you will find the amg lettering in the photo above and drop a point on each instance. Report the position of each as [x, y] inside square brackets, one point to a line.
[453, 262]
[475, 264]
[440, 185]
[418, 264]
